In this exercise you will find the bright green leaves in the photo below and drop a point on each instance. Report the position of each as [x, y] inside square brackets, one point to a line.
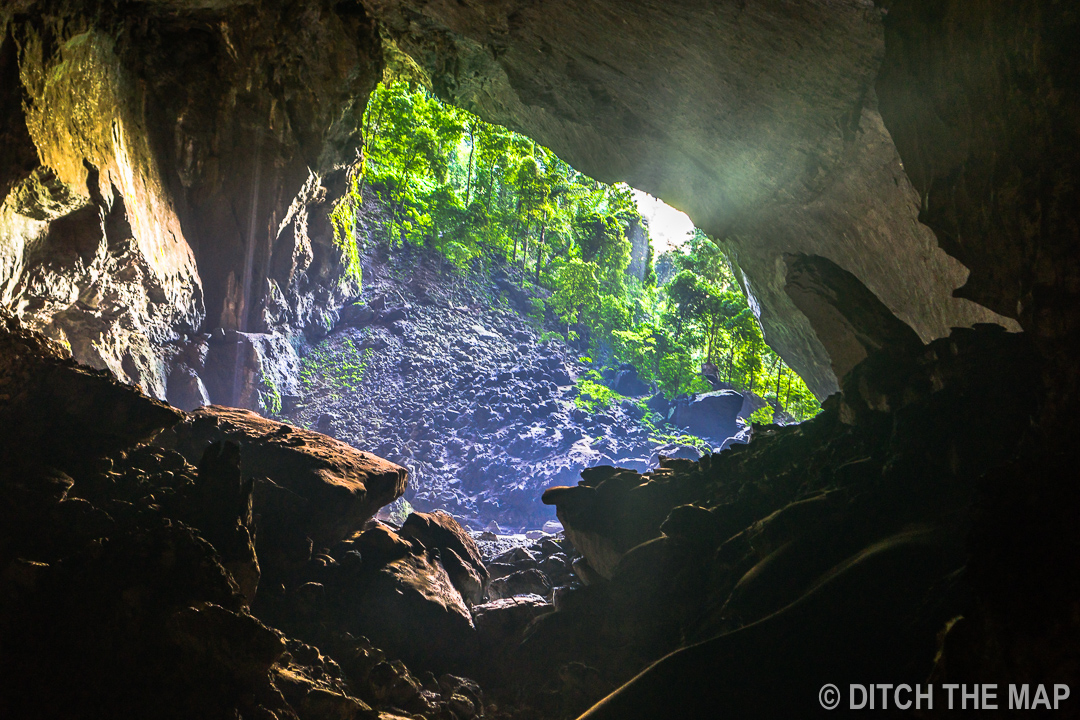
[480, 194]
[477, 191]
[577, 292]
[334, 370]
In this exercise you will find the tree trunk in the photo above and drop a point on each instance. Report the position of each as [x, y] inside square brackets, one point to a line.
[779, 372]
[539, 253]
[472, 147]
[491, 184]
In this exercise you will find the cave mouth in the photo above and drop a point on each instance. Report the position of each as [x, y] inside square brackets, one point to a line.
[516, 324]
[919, 530]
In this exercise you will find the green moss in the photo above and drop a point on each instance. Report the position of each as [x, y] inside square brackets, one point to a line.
[334, 368]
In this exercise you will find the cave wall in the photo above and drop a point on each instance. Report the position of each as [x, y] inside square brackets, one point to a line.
[153, 155]
[758, 120]
[153, 152]
[982, 100]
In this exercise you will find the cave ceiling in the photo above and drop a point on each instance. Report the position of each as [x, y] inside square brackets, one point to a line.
[840, 130]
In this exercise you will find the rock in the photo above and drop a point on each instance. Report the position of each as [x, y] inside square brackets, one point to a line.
[659, 405]
[847, 317]
[409, 608]
[535, 534]
[460, 555]
[223, 508]
[325, 422]
[500, 570]
[381, 545]
[391, 683]
[515, 556]
[628, 383]
[130, 285]
[522, 582]
[251, 370]
[61, 413]
[356, 315]
[501, 626]
[553, 527]
[223, 642]
[185, 389]
[710, 415]
[308, 485]
[589, 514]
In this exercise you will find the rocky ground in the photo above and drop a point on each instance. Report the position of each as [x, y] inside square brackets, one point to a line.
[141, 580]
[231, 568]
[449, 378]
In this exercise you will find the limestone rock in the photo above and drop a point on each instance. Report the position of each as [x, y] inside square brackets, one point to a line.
[309, 485]
[458, 551]
[820, 175]
[846, 316]
[522, 582]
[255, 371]
[411, 609]
[711, 415]
[62, 413]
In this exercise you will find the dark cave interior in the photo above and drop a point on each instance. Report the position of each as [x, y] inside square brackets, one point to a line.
[896, 186]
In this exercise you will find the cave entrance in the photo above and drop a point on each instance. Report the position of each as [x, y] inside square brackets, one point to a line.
[519, 321]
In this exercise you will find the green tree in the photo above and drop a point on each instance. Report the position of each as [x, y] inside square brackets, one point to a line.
[577, 292]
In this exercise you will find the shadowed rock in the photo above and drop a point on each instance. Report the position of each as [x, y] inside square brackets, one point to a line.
[311, 490]
[62, 413]
[849, 319]
[458, 551]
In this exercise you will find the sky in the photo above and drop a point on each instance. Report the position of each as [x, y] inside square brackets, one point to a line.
[669, 227]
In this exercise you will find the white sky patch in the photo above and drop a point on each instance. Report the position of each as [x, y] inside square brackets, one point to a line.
[669, 227]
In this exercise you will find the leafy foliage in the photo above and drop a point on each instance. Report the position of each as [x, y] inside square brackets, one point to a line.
[482, 195]
[594, 397]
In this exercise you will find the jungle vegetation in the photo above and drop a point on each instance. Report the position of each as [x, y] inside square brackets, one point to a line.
[481, 196]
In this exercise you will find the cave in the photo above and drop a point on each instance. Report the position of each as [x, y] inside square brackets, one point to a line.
[894, 187]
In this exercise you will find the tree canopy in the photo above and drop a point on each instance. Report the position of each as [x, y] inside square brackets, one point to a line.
[480, 195]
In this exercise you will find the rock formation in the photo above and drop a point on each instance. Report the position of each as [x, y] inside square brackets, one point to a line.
[207, 122]
[156, 152]
[760, 122]
[167, 170]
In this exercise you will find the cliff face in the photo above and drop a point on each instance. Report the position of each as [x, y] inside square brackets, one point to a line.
[166, 169]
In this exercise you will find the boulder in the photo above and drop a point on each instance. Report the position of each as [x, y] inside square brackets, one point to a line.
[659, 404]
[523, 582]
[185, 389]
[381, 544]
[501, 623]
[356, 315]
[309, 488]
[713, 415]
[627, 382]
[460, 556]
[411, 609]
